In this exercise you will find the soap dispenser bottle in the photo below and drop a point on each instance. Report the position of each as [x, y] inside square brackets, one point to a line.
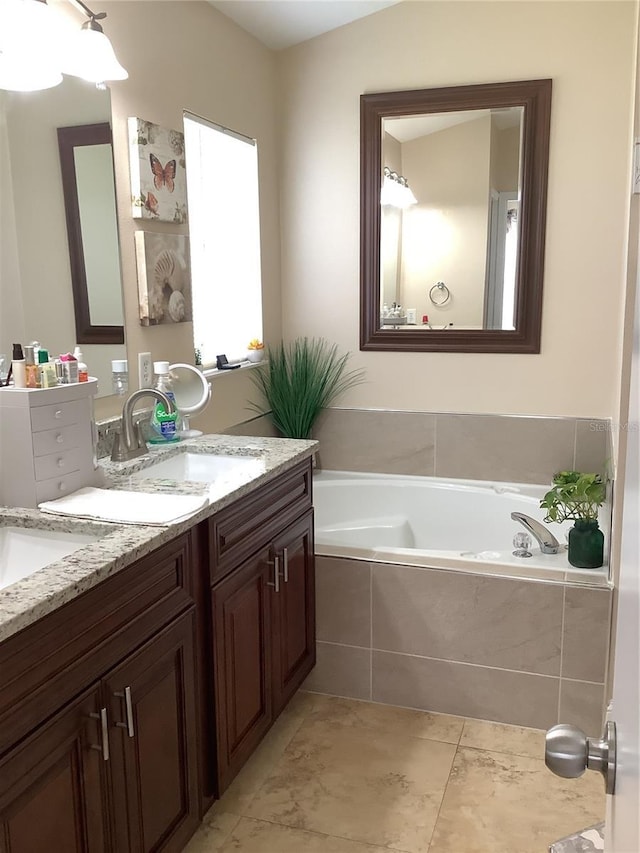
[163, 424]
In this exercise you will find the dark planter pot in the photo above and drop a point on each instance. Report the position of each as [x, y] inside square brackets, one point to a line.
[586, 545]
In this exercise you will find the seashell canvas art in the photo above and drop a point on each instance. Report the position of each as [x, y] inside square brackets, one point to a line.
[164, 278]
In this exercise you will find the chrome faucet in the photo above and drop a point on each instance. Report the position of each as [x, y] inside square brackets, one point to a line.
[129, 443]
[545, 538]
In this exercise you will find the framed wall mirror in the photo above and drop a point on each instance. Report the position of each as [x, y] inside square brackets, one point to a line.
[88, 184]
[453, 212]
[38, 263]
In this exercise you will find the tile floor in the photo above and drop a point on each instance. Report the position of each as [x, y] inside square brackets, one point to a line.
[343, 776]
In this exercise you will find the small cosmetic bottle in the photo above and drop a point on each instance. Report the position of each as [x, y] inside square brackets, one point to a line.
[32, 371]
[43, 358]
[83, 372]
[18, 366]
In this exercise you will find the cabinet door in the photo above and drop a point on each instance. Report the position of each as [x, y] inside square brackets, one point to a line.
[242, 663]
[294, 611]
[152, 705]
[53, 785]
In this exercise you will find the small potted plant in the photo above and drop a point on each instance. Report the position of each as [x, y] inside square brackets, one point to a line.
[576, 497]
[255, 350]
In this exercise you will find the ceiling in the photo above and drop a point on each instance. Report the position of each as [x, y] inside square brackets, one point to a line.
[282, 23]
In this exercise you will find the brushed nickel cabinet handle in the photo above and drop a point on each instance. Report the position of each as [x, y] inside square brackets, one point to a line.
[276, 573]
[285, 562]
[104, 731]
[128, 705]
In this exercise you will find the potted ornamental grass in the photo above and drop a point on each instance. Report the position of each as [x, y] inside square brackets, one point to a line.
[299, 380]
[576, 497]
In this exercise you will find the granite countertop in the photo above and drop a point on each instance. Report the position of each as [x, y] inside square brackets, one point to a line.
[119, 545]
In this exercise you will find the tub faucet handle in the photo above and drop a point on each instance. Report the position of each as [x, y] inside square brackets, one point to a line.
[522, 543]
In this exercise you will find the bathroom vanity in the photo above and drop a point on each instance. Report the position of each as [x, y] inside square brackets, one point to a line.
[135, 687]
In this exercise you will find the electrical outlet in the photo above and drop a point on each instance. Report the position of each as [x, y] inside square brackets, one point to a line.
[145, 370]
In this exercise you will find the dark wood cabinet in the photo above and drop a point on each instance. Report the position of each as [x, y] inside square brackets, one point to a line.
[53, 786]
[154, 756]
[116, 769]
[263, 641]
[124, 711]
[293, 612]
[242, 662]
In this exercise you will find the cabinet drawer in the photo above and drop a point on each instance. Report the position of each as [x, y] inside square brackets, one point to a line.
[48, 417]
[56, 464]
[53, 440]
[242, 528]
[57, 487]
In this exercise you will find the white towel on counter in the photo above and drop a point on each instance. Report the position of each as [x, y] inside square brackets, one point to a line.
[126, 507]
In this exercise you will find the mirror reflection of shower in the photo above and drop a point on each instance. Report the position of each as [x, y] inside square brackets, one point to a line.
[502, 259]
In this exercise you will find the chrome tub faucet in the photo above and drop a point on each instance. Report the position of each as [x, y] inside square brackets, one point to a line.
[544, 537]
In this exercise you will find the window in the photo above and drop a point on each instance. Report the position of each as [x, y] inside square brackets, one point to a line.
[224, 217]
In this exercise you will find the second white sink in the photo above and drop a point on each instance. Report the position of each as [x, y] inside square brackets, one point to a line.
[200, 467]
[24, 550]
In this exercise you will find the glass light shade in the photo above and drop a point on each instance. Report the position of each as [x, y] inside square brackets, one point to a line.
[30, 34]
[409, 197]
[91, 56]
[21, 75]
[387, 194]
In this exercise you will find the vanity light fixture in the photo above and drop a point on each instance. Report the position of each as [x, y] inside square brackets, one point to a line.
[92, 55]
[396, 191]
[36, 47]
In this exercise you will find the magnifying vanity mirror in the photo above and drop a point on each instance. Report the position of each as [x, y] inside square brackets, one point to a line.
[60, 279]
[453, 209]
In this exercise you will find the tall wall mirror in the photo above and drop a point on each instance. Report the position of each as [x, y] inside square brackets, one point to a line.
[453, 209]
[61, 279]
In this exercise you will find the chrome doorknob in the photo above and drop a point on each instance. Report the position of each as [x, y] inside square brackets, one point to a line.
[569, 752]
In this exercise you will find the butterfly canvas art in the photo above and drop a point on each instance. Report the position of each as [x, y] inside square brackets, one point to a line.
[158, 177]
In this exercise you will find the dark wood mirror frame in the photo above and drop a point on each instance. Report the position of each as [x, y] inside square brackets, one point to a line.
[535, 97]
[68, 139]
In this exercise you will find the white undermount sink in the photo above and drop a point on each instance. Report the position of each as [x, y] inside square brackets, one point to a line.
[200, 467]
[23, 550]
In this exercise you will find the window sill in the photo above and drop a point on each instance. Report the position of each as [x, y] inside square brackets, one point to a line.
[214, 373]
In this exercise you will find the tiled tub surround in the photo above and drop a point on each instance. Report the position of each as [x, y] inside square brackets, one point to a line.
[511, 650]
[30, 599]
[510, 448]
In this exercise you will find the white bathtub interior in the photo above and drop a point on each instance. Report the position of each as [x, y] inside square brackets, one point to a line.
[430, 521]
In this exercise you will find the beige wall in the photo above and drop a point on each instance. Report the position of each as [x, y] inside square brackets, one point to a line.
[444, 236]
[186, 55]
[588, 50]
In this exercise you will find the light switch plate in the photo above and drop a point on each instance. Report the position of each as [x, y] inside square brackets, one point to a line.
[145, 370]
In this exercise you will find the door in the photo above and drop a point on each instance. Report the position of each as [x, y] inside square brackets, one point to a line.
[622, 825]
[53, 786]
[294, 646]
[623, 811]
[152, 714]
[242, 662]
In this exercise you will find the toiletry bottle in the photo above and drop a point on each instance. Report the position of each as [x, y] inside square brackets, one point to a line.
[18, 367]
[42, 358]
[163, 424]
[120, 376]
[83, 372]
[32, 370]
[70, 368]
